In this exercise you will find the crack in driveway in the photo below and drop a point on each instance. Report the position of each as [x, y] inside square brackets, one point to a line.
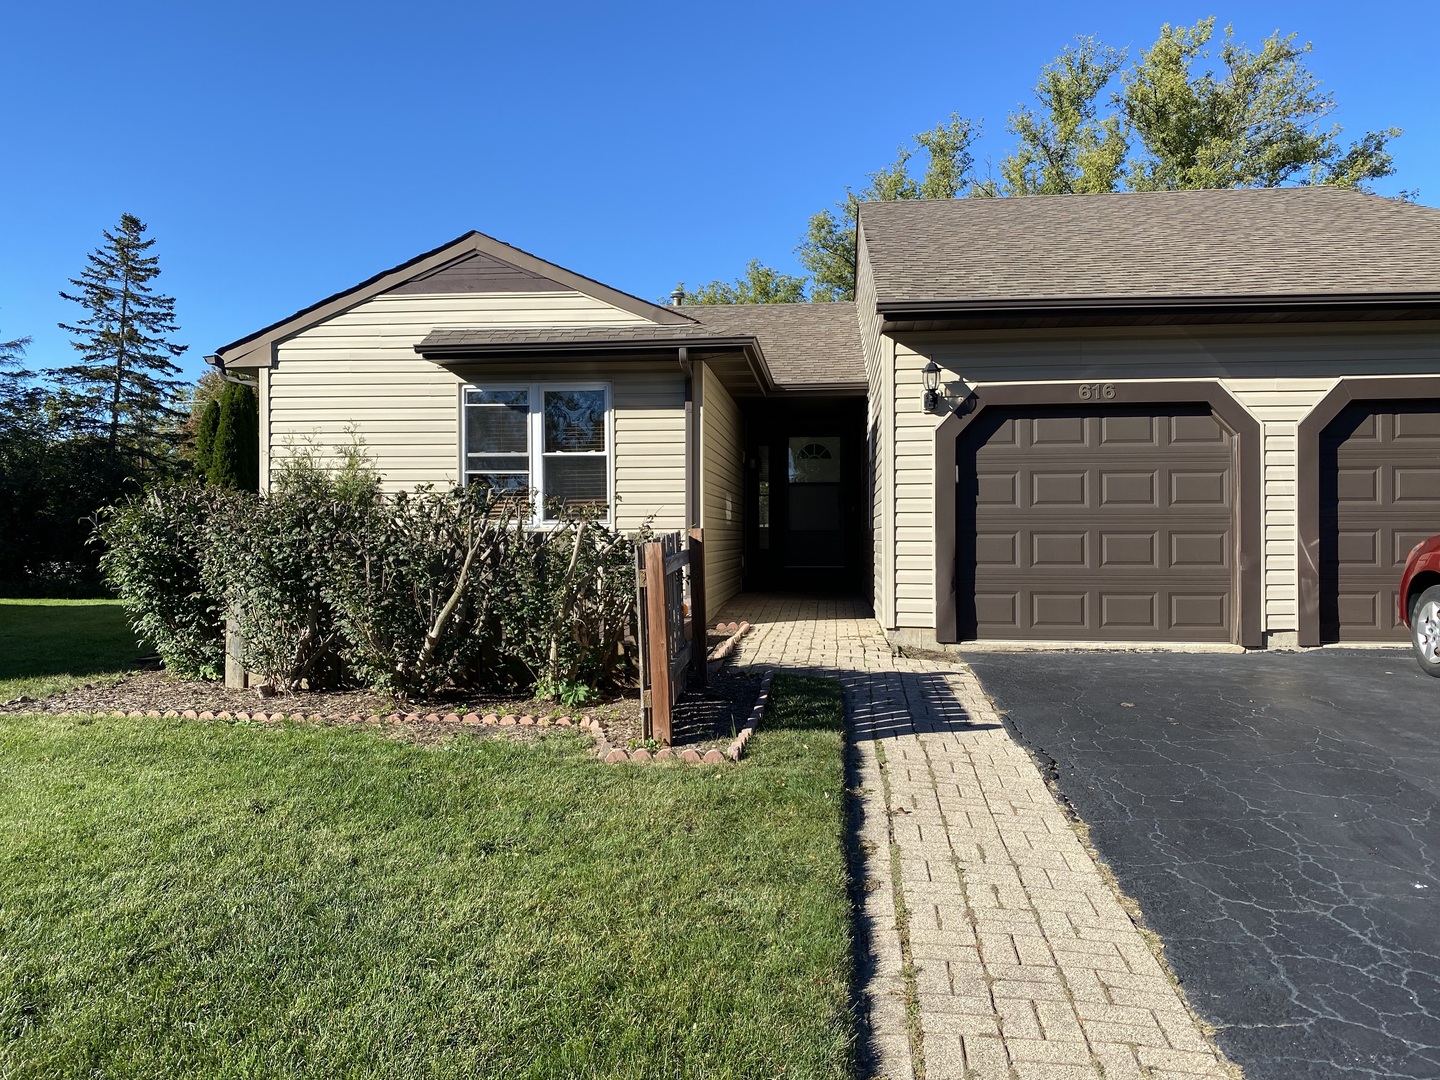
[1275, 815]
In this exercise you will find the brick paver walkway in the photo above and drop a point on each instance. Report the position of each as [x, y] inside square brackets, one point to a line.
[996, 948]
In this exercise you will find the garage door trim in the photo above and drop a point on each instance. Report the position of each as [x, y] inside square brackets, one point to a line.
[1307, 491]
[1225, 408]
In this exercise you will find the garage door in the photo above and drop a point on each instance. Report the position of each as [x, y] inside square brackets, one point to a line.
[1116, 525]
[1379, 497]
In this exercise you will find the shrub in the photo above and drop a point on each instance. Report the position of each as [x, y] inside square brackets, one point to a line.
[154, 548]
[416, 586]
[570, 603]
[411, 594]
[271, 559]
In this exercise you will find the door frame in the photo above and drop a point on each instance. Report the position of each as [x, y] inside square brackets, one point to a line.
[1234, 417]
[1307, 488]
[771, 422]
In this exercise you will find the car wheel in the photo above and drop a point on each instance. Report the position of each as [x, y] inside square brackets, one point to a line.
[1425, 630]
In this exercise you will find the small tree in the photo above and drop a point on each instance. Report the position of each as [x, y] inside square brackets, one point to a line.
[124, 386]
[233, 458]
[205, 429]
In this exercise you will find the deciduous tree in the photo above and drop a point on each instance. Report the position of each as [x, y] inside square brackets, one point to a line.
[759, 284]
[827, 249]
[1181, 115]
[1260, 121]
[1065, 147]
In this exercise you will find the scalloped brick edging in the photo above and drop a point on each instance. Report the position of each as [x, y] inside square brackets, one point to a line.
[264, 717]
[736, 749]
[726, 648]
[613, 755]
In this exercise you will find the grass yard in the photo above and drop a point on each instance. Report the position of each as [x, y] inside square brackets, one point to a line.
[47, 646]
[194, 899]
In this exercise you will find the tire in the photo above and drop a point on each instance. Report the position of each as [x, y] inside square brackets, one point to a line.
[1425, 630]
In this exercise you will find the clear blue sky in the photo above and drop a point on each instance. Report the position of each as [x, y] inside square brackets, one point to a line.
[282, 152]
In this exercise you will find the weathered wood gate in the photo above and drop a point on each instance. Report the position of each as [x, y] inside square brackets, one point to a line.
[672, 646]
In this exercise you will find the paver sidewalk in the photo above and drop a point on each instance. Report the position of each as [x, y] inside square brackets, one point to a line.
[996, 947]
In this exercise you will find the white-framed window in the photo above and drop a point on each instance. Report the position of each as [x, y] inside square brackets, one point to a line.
[553, 439]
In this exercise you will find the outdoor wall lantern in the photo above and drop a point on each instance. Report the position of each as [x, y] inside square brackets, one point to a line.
[931, 374]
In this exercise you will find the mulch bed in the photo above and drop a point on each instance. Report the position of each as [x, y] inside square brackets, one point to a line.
[146, 691]
[705, 719]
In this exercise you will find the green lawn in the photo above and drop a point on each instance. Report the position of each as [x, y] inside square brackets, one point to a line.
[47, 646]
[194, 899]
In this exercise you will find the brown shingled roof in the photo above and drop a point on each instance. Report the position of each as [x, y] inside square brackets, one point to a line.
[1184, 245]
[803, 344]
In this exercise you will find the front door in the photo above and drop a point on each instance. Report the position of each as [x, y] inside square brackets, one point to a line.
[806, 493]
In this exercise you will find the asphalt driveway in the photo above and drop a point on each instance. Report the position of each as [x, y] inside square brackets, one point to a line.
[1277, 816]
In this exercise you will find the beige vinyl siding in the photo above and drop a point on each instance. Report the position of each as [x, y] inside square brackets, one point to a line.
[650, 449]
[722, 490]
[877, 349]
[1277, 373]
[359, 373]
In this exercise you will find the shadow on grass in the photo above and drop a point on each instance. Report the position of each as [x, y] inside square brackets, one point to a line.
[64, 637]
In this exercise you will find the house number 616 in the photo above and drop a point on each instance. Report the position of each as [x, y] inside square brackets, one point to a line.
[1092, 390]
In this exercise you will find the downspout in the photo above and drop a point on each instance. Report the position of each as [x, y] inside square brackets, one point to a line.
[693, 405]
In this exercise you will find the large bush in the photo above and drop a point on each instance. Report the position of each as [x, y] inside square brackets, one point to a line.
[155, 548]
[273, 559]
[411, 594]
[416, 587]
[569, 603]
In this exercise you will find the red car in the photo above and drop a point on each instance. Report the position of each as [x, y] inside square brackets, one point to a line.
[1420, 603]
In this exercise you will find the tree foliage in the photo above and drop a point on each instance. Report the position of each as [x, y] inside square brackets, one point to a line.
[233, 458]
[1257, 122]
[51, 484]
[124, 387]
[206, 427]
[17, 390]
[1065, 147]
[759, 284]
[827, 249]
[1191, 111]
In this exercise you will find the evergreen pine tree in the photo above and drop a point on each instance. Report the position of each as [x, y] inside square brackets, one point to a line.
[17, 393]
[247, 439]
[205, 436]
[235, 452]
[124, 387]
[224, 450]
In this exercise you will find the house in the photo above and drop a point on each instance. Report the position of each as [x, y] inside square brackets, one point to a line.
[1176, 416]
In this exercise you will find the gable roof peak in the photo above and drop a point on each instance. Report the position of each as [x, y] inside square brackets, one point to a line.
[256, 349]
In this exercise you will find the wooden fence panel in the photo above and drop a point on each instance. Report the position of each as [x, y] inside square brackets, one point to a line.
[668, 654]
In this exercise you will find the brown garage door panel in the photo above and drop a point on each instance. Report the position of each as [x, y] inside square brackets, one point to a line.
[1029, 480]
[1107, 525]
[1083, 614]
[1123, 549]
[1379, 496]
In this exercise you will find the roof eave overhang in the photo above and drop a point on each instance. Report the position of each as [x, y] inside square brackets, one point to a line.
[897, 314]
[660, 348]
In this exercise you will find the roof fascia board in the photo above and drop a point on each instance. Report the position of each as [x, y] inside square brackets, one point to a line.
[940, 309]
[529, 349]
[257, 349]
[749, 347]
